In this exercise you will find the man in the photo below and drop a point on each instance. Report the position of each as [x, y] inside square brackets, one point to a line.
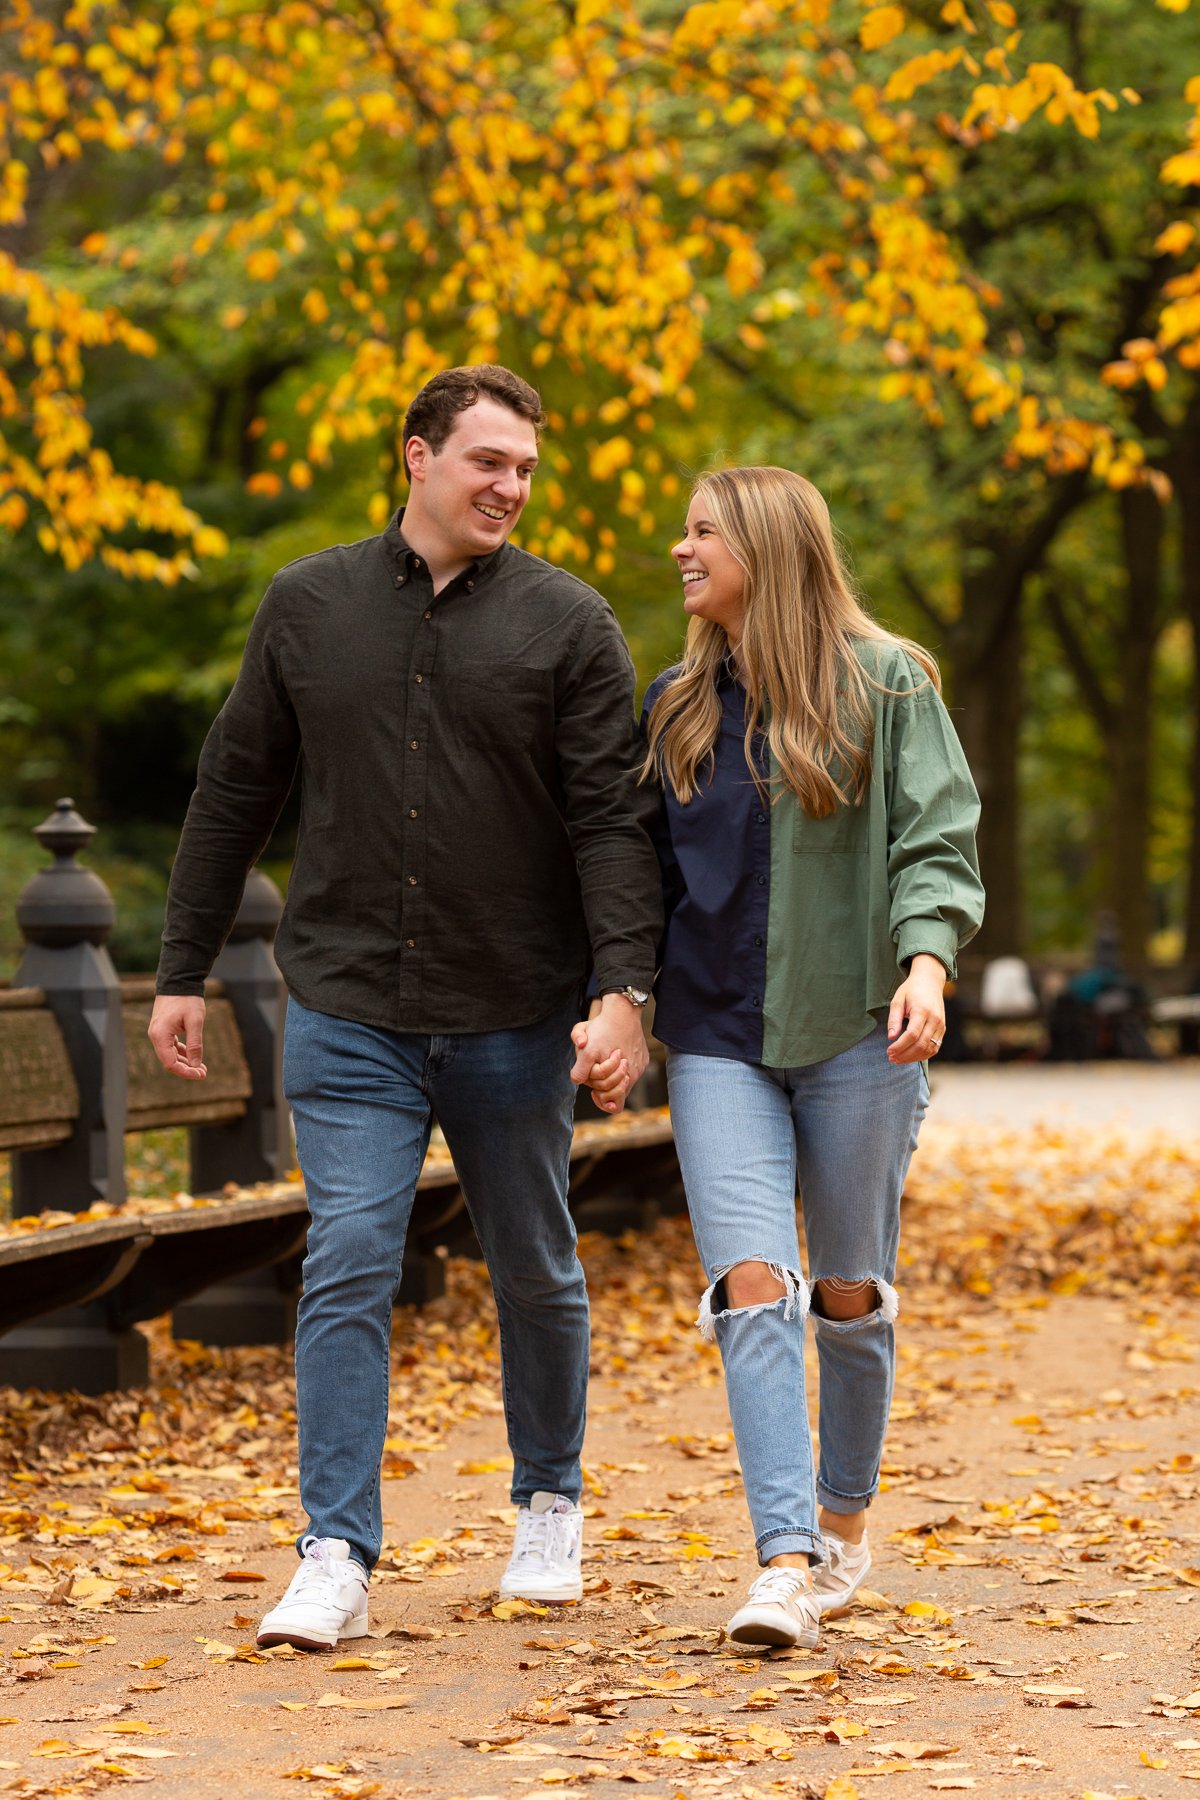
[462, 717]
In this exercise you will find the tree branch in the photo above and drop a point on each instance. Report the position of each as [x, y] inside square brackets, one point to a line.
[1087, 675]
[737, 365]
[919, 597]
[1070, 493]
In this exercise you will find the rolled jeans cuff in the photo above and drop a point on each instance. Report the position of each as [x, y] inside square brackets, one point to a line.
[790, 1542]
[843, 1503]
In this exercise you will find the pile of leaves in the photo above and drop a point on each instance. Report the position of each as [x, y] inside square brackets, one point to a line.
[989, 1211]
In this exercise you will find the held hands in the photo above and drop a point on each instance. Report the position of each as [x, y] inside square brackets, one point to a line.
[612, 1053]
[919, 1007]
[177, 1033]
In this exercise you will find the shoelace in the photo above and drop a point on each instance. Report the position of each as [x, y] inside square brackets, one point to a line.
[317, 1565]
[840, 1555]
[546, 1534]
[778, 1584]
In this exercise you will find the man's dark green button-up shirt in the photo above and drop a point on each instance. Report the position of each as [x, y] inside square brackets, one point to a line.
[469, 842]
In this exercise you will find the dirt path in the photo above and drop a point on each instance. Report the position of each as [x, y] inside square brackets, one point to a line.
[1036, 1613]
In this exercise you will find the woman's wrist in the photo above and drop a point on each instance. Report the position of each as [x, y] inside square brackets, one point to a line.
[928, 966]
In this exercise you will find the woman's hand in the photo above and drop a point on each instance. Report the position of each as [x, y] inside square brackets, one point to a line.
[918, 1006]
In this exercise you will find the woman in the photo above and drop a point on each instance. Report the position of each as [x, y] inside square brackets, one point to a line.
[817, 841]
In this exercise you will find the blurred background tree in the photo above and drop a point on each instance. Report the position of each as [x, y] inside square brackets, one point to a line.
[939, 256]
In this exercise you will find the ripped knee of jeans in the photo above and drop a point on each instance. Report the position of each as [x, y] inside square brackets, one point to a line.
[714, 1301]
[888, 1301]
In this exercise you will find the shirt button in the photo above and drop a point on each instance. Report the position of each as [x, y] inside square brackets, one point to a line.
[427, 615]
[755, 1001]
[418, 679]
[760, 818]
[414, 745]
[400, 580]
[416, 562]
[412, 812]
[411, 943]
[758, 940]
[412, 881]
[762, 880]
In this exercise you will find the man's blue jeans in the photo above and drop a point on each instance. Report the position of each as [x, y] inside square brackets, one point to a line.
[362, 1100]
[847, 1127]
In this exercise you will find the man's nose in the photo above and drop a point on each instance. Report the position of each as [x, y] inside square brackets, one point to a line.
[508, 483]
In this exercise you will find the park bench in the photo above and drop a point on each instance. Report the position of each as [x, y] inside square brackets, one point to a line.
[81, 1265]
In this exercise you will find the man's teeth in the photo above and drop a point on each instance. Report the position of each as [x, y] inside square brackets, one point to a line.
[490, 512]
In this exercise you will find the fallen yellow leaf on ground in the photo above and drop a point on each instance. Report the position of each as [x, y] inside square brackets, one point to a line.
[841, 1788]
[925, 1609]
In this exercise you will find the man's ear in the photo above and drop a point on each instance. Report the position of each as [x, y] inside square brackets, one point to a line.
[416, 457]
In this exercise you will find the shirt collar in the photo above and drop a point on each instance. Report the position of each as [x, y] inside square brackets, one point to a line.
[397, 546]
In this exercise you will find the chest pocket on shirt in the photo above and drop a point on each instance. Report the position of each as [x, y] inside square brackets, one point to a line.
[506, 706]
[843, 833]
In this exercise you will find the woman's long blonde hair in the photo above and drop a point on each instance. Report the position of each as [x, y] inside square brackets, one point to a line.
[799, 653]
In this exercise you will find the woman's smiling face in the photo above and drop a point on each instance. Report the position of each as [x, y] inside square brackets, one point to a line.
[714, 582]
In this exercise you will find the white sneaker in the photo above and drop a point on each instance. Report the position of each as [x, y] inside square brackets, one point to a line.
[780, 1610]
[326, 1599]
[547, 1548]
[840, 1576]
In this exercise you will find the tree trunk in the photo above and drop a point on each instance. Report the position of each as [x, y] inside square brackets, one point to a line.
[1129, 825]
[1185, 469]
[985, 702]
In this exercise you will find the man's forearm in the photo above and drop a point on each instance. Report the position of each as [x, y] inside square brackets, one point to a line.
[227, 827]
[203, 896]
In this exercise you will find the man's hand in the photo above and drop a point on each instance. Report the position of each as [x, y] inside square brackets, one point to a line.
[919, 1007]
[177, 1033]
[611, 1049]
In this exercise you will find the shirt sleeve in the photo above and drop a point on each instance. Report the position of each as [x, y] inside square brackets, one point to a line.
[598, 751]
[246, 770]
[933, 812]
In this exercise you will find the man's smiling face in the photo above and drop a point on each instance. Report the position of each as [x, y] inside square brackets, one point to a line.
[471, 492]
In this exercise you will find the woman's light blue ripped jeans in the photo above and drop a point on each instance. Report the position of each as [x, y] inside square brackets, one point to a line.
[847, 1129]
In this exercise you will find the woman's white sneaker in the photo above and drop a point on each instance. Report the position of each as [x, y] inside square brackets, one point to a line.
[547, 1552]
[781, 1610]
[326, 1599]
[840, 1576]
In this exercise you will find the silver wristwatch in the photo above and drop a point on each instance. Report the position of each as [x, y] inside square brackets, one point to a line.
[636, 996]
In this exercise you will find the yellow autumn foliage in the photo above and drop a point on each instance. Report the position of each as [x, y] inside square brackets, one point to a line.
[413, 191]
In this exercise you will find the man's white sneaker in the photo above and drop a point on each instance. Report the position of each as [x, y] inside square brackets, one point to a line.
[547, 1548]
[840, 1576]
[326, 1599]
[780, 1610]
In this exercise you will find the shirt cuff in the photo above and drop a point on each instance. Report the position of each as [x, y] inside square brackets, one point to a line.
[928, 937]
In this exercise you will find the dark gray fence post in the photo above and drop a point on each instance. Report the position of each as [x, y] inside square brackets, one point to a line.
[65, 913]
[260, 1306]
